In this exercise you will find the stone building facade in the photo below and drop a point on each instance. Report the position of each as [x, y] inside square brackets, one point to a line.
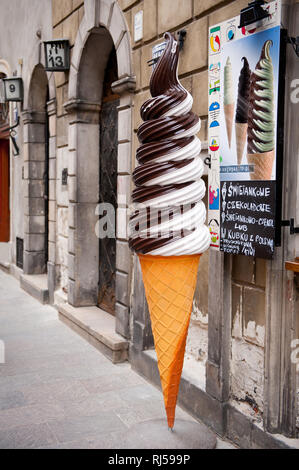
[77, 139]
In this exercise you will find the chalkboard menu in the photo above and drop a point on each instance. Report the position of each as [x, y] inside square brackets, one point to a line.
[248, 218]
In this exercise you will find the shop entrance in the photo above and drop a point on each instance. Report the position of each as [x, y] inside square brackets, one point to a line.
[108, 184]
[4, 191]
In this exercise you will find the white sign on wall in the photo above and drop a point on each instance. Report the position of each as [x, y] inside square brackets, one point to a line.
[138, 26]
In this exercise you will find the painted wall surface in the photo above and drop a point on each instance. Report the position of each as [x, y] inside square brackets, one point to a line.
[20, 48]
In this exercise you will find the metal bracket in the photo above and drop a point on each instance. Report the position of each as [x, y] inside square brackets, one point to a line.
[295, 44]
[12, 135]
[64, 177]
[182, 36]
[153, 61]
[290, 223]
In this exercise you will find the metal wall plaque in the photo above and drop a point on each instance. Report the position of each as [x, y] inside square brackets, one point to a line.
[57, 55]
[13, 89]
[64, 177]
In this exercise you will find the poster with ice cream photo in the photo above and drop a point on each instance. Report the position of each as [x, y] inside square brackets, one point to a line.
[248, 106]
[244, 71]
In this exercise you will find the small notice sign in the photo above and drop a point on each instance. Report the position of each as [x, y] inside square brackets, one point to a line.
[138, 26]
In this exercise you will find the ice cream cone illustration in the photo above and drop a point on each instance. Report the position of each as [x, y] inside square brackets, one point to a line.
[241, 138]
[167, 228]
[261, 126]
[262, 163]
[241, 123]
[229, 104]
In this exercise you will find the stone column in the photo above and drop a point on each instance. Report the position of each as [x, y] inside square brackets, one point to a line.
[52, 275]
[34, 192]
[124, 88]
[219, 331]
[83, 190]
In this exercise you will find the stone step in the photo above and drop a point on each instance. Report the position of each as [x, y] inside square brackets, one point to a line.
[98, 328]
[5, 267]
[36, 285]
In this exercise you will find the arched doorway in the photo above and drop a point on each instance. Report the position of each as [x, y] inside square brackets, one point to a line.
[101, 30]
[36, 164]
[108, 183]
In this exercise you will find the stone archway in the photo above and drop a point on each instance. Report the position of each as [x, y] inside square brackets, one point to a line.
[102, 28]
[36, 172]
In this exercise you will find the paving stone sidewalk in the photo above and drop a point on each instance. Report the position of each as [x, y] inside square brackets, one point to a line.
[57, 391]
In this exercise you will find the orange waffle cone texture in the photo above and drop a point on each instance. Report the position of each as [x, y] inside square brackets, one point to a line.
[263, 164]
[229, 111]
[169, 283]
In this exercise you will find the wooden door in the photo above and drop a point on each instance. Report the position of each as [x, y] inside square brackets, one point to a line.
[4, 191]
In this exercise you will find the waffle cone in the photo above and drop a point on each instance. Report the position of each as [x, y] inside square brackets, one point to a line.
[241, 138]
[169, 283]
[229, 112]
[263, 164]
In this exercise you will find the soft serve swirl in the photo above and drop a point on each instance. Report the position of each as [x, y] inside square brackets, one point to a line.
[261, 129]
[168, 213]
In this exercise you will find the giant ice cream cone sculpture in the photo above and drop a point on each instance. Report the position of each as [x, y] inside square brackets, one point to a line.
[241, 123]
[167, 228]
[261, 127]
[228, 102]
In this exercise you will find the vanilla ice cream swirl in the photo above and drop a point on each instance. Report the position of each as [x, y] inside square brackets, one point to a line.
[168, 213]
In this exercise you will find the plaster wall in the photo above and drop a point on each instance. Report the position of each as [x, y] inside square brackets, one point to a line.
[20, 48]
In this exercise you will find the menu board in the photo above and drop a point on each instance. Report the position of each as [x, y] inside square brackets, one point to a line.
[248, 218]
[243, 104]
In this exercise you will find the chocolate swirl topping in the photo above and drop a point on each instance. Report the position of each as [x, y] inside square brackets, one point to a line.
[169, 189]
[167, 127]
[143, 174]
[243, 93]
[154, 151]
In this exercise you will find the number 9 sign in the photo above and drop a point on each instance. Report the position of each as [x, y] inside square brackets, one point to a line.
[13, 89]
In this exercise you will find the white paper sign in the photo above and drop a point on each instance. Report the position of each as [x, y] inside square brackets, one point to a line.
[138, 26]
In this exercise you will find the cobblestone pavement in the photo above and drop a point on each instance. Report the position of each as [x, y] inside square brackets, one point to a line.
[57, 391]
